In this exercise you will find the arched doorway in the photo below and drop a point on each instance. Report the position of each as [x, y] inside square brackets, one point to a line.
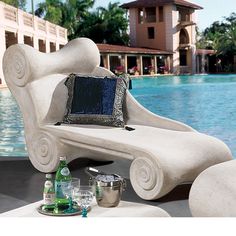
[184, 51]
[183, 37]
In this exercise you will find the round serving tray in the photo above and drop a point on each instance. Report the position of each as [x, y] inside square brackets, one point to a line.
[49, 212]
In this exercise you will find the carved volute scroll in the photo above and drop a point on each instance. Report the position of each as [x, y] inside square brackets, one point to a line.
[16, 66]
[43, 152]
[146, 177]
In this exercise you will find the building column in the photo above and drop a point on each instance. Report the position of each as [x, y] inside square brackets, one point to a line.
[35, 35]
[20, 37]
[108, 62]
[2, 50]
[36, 42]
[193, 59]
[20, 31]
[168, 62]
[140, 64]
[175, 64]
[155, 64]
[203, 64]
[126, 63]
[197, 64]
[207, 64]
[47, 42]
[57, 46]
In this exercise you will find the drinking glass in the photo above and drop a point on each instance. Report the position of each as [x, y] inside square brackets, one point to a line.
[68, 190]
[83, 196]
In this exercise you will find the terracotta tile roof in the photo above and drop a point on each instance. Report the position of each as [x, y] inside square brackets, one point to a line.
[108, 48]
[154, 3]
[205, 52]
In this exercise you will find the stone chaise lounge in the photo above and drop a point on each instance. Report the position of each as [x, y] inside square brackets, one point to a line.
[164, 152]
[213, 193]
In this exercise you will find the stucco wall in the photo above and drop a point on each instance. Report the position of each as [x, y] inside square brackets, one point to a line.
[175, 36]
[133, 24]
[22, 24]
[139, 32]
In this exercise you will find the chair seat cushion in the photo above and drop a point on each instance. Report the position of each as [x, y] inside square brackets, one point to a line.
[95, 100]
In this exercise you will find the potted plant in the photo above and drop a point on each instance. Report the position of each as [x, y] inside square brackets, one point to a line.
[135, 70]
[119, 70]
[151, 70]
[166, 69]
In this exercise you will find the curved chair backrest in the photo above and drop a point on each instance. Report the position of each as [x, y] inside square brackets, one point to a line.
[37, 81]
[33, 76]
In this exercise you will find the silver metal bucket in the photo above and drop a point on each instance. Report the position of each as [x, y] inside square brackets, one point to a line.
[108, 188]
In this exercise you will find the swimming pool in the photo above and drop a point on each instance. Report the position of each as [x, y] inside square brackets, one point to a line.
[12, 142]
[207, 103]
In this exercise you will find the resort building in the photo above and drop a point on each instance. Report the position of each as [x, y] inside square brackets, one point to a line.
[135, 61]
[17, 26]
[165, 25]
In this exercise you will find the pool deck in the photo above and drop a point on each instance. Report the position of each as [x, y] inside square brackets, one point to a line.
[21, 184]
[153, 75]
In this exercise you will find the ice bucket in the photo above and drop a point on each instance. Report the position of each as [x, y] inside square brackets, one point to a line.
[108, 188]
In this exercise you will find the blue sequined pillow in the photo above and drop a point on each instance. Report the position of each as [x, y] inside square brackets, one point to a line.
[95, 100]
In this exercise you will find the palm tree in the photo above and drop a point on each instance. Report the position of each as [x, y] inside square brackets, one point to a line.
[93, 27]
[67, 13]
[221, 36]
[50, 10]
[105, 25]
[73, 12]
[116, 23]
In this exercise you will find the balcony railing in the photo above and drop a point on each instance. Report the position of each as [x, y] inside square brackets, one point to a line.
[186, 23]
[184, 17]
[28, 20]
[42, 25]
[151, 18]
[185, 20]
[52, 29]
[61, 32]
[10, 13]
[17, 18]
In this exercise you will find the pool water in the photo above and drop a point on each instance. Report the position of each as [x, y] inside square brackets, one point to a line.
[207, 103]
[12, 142]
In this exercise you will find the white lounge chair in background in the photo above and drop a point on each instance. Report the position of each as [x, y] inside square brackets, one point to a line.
[164, 152]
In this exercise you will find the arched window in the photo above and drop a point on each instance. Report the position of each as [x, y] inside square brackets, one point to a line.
[183, 37]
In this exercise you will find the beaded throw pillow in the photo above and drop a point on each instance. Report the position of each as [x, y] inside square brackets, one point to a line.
[95, 100]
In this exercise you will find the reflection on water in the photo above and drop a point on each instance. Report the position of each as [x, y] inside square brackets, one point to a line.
[12, 142]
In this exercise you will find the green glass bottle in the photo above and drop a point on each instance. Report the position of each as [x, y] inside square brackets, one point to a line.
[63, 177]
[48, 193]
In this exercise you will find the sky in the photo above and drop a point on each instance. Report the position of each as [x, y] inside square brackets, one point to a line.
[214, 10]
